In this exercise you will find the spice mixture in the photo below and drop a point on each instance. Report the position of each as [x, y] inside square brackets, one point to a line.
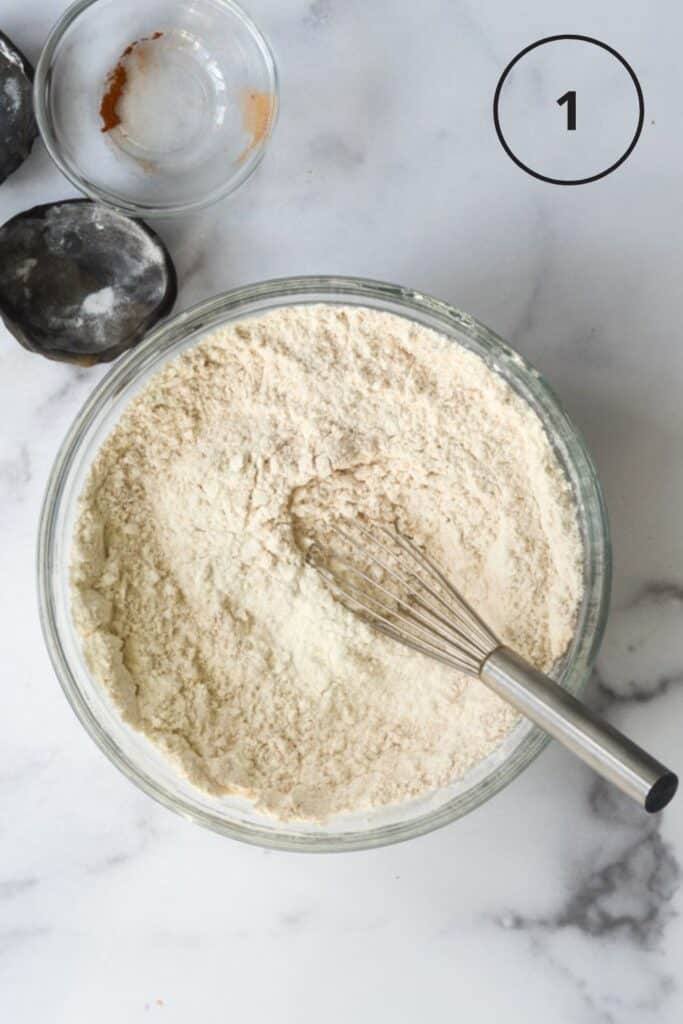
[117, 80]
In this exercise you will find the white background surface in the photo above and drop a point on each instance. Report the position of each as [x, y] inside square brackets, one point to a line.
[555, 901]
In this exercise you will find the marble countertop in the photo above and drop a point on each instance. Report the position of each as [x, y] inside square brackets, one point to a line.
[556, 900]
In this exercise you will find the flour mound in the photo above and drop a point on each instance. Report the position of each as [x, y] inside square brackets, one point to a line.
[199, 613]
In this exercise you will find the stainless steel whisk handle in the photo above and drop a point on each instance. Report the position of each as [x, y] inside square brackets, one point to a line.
[562, 716]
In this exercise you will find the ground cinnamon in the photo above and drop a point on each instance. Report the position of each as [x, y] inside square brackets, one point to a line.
[257, 112]
[116, 84]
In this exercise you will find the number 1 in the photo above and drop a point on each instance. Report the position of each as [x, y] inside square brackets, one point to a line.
[570, 99]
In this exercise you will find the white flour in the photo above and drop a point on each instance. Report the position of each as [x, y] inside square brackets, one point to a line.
[199, 614]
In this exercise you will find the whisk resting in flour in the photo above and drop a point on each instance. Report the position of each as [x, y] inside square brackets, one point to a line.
[399, 591]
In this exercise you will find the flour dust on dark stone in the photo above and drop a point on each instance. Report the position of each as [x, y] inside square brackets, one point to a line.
[81, 282]
[18, 129]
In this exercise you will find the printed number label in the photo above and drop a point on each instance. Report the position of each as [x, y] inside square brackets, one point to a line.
[570, 99]
[546, 142]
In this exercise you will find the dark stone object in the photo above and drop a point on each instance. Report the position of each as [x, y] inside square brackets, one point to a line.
[81, 282]
[18, 129]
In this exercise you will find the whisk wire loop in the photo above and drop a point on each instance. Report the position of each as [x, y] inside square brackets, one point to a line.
[461, 606]
[459, 636]
[417, 578]
[413, 603]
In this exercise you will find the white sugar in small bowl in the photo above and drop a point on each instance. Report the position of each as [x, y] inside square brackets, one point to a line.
[195, 104]
[130, 750]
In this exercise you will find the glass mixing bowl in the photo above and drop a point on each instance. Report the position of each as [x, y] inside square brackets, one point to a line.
[193, 83]
[132, 752]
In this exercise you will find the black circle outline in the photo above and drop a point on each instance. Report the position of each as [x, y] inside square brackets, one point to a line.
[569, 181]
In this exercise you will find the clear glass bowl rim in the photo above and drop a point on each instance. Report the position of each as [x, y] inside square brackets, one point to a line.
[208, 315]
[41, 88]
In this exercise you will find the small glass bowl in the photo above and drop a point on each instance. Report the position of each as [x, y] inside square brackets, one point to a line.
[197, 103]
[132, 752]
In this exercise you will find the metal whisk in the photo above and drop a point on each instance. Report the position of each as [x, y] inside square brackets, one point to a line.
[399, 591]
